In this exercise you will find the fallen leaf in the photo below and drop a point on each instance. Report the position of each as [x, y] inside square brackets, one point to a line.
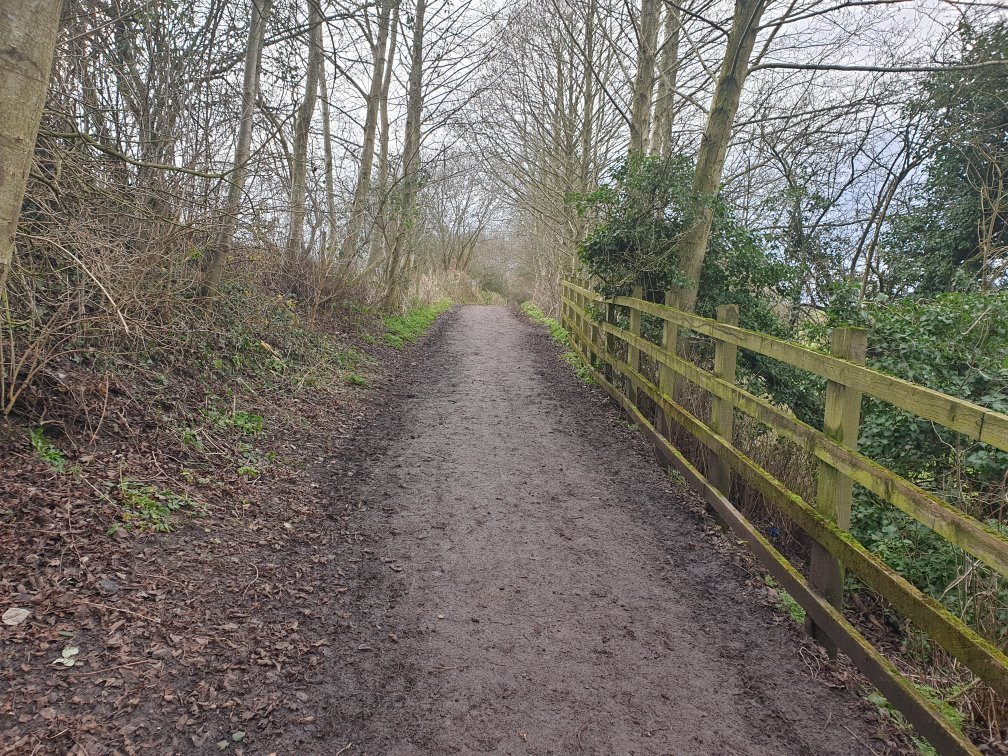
[68, 657]
[15, 616]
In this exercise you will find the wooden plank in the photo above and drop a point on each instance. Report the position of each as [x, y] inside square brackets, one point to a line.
[919, 710]
[722, 411]
[986, 660]
[974, 537]
[959, 415]
[834, 490]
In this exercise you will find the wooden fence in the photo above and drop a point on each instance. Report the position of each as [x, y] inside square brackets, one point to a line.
[839, 466]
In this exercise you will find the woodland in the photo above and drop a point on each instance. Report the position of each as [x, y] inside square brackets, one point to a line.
[223, 219]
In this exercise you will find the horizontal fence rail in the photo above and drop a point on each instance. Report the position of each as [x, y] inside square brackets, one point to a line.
[840, 466]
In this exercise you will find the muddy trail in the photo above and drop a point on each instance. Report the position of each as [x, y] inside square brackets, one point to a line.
[532, 582]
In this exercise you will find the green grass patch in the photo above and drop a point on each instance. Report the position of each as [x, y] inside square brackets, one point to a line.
[150, 509]
[46, 451]
[935, 696]
[401, 330]
[248, 423]
[355, 379]
[536, 315]
[561, 337]
[792, 607]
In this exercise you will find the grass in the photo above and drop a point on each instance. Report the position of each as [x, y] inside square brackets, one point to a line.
[401, 330]
[561, 337]
[935, 696]
[355, 379]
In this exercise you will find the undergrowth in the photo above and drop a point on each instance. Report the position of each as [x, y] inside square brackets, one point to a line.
[148, 508]
[787, 602]
[940, 700]
[46, 451]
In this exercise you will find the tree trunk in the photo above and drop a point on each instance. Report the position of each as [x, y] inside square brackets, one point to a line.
[327, 152]
[217, 258]
[27, 43]
[399, 262]
[302, 126]
[378, 228]
[664, 112]
[363, 186]
[716, 137]
[643, 89]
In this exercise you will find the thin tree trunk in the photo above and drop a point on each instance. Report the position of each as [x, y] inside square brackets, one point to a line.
[302, 126]
[398, 262]
[378, 228]
[28, 31]
[664, 112]
[330, 184]
[716, 137]
[643, 89]
[363, 186]
[220, 251]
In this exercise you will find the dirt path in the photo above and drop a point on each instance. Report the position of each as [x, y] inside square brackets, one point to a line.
[538, 597]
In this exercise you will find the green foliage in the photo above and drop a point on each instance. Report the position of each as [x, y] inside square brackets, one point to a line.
[638, 220]
[350, 358]
[536, 315]
[248, 423]
[936, 244]
[147, 508]
[46, 451]
[355, 379]
[956, 343]
[938, 698]
[406, 329]
[190, 437]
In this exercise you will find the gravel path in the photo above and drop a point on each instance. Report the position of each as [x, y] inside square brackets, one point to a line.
[535, 584]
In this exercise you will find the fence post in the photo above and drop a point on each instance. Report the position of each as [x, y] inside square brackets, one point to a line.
[564, 311]
[834, 491]
[633, 353]
[722, 410]
[669, 344]
[610, 342]
[594, 331]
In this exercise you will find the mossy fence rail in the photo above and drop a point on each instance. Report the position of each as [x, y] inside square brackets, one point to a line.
[840, 466]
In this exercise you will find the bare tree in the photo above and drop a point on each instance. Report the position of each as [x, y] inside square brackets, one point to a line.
[259, 13]
[302, 126]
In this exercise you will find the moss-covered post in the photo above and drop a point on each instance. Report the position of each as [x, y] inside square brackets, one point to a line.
[633, 353]
[594, 335]
[834, 491]
[722, 411]
[669, 344]
[610, 341]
